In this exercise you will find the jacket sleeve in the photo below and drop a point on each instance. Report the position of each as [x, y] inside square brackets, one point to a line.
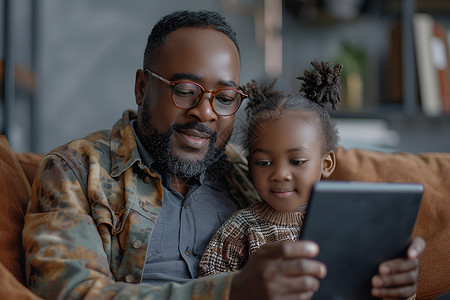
[65, 254]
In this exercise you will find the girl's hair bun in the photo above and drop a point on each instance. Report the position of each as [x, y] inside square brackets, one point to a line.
[322, 84]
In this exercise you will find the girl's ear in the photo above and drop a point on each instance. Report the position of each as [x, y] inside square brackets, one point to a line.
[328, 164]
[139, 86]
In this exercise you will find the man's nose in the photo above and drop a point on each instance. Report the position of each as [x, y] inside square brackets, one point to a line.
[203, 111]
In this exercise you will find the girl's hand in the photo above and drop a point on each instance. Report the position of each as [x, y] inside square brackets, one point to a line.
[397, 278]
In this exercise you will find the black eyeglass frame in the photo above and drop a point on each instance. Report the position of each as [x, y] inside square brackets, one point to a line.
[172, 84]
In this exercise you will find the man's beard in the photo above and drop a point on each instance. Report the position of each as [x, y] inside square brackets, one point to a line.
[158, 144]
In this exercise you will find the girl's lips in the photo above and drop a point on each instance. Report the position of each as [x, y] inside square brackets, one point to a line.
[283, 194]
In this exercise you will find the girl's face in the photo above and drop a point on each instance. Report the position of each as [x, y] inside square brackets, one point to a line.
[286, 161]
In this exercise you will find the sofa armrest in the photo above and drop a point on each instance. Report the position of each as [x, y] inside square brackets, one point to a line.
[11, 288]
[14, 195]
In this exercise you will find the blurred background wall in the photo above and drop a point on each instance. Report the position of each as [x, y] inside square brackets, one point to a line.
[75, 63]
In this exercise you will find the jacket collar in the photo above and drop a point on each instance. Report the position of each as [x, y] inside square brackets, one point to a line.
[124, 151]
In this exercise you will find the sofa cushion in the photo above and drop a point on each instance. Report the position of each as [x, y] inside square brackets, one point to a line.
[11, 288]
[433, 220]
[14, 195]
[29, 162]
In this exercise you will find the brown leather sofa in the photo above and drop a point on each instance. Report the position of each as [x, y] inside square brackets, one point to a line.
[433, 222]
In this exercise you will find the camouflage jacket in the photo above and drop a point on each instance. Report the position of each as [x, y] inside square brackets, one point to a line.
[92, 209]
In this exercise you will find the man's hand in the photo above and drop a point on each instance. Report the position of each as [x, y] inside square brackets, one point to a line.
[283, 270]
[397, 278]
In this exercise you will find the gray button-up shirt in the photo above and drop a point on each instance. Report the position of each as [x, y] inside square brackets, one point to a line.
[185, 224]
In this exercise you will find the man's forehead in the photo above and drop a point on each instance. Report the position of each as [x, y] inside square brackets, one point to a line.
[200, 51]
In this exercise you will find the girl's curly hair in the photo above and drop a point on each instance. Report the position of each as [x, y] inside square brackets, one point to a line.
[320, 85]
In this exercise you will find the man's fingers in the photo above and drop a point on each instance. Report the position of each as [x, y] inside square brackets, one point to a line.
[402, 279]
[399, 265]
[295, 267]
[282, 270]
[293, 285]
[394, 293]
[287, 249]
[293, 258]
[399, 285]
[416, 248]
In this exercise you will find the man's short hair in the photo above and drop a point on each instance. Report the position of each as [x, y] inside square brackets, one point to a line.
[184, 18]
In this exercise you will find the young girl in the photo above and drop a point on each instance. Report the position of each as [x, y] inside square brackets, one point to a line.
[291, 142]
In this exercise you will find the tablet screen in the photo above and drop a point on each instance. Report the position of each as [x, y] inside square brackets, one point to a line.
[357, 226]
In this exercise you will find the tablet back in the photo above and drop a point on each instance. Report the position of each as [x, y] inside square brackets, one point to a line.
[357, 226]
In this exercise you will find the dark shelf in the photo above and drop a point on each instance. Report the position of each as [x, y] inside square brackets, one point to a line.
[436, 7]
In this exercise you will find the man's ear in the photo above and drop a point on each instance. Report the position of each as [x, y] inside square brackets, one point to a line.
[139, 86]
[328, 164]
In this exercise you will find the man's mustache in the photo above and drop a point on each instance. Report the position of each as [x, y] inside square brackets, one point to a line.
[196, 126]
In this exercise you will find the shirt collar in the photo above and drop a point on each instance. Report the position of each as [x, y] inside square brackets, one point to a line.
[146, 157]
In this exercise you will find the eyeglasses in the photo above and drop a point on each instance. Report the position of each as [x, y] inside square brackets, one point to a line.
[187, 94]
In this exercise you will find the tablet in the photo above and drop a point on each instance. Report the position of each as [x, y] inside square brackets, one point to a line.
[357, 226]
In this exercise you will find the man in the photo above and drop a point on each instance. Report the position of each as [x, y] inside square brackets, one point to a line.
[127, 213]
